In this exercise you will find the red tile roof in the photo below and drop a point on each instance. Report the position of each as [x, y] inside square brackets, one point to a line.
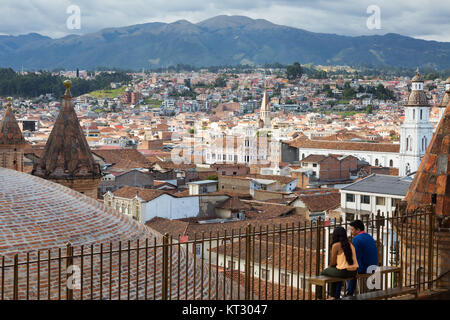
[124, 159]
[131, 192]
[339, 145]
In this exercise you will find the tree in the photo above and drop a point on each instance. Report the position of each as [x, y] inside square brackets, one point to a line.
[294, 71]
[221, 81]
[369, 109]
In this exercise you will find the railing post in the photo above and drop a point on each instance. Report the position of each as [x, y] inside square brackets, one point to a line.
[165, 266]
[430, 247]
[318, 246]
[16, 277]
[69, 262]
[247, 262]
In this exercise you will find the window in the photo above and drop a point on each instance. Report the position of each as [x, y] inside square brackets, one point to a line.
[315, 165]
[391, 163]
[396, 202]
[198, 249]
[424, 143]
[421, 114]
[376, 162]
[265, 274]
[433, 198]
[381, 201]
[414, 114]
[229, 265]
[350, 197]
[365, 199]
[285, 278]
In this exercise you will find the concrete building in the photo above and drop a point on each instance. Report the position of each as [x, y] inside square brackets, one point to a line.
[202, 187]
[375, 192]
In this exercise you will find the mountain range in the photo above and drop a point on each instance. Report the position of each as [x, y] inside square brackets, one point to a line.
[222, 40]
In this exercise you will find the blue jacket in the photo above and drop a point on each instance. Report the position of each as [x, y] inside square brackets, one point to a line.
[366, 251]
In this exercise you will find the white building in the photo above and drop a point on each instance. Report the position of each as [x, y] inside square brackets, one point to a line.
[145, 204]
[375, 192]
[416, 131]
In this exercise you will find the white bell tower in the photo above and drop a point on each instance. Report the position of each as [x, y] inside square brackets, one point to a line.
[416, 130]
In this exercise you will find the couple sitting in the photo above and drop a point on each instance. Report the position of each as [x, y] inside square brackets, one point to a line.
[349, 258]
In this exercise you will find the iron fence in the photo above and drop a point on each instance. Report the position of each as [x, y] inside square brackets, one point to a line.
[267, 262]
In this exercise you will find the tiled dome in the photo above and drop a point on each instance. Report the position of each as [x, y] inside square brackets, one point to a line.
[37, 214]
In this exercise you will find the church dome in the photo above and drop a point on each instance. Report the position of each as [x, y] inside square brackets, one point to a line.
[38, 214]
[38, 218]
[417, 98]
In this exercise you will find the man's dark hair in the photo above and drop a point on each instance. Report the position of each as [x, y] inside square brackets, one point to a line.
[357, 224]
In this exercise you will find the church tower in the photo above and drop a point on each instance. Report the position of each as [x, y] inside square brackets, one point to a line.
[416, 130]
[12, 142]
[67, 158]
[264, 115]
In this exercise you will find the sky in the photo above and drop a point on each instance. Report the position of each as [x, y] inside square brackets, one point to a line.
[424, 19]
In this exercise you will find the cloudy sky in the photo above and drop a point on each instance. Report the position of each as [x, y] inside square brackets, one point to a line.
[425, 19]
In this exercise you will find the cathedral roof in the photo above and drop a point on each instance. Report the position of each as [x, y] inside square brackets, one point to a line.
[445, 100]
[10, 133]
[67, 154]
[431, 183]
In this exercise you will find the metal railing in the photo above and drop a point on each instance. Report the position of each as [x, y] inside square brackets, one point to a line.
[268, 262]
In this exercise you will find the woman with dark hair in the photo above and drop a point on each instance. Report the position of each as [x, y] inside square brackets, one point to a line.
[343, 263]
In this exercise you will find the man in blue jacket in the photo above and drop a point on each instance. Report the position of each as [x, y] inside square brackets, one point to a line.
[366, 251]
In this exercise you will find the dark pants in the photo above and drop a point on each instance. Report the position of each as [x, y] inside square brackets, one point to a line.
[335, 287]
[351, 286]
